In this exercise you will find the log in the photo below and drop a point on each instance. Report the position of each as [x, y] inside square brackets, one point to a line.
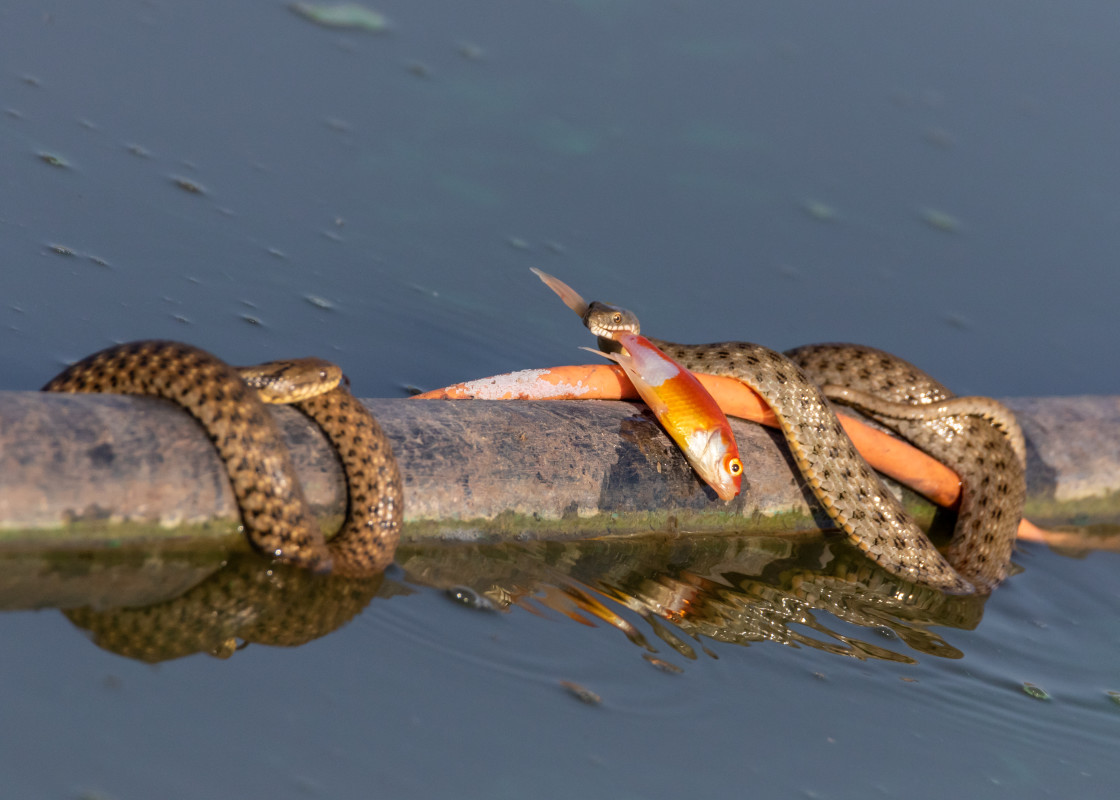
[97, 471]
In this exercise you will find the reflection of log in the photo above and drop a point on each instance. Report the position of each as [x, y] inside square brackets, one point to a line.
[95, 470]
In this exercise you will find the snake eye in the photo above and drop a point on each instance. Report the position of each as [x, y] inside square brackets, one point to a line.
[616, 318]
[735, 467]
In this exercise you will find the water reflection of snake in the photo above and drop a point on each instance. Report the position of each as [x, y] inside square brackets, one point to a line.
[246, 602]
[229, 404]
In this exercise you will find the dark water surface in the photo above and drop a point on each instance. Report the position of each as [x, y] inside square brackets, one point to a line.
[939, 180]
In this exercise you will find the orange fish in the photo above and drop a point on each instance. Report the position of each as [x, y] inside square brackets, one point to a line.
[681, 404]
[685, 410]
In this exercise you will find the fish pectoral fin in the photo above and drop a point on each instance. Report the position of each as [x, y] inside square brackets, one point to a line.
[713, 443]
[619, 358]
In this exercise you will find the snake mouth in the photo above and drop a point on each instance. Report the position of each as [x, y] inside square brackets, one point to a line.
[608, 331]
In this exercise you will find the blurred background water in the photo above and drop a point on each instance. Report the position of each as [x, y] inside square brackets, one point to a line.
[941, 181]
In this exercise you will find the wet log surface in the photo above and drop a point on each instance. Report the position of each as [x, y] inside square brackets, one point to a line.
[99, 470]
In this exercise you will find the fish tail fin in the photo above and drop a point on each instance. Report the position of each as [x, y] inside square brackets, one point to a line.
[569, 295]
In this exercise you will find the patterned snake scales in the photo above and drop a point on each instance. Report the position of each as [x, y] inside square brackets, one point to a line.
[979, 438]
[229, 404]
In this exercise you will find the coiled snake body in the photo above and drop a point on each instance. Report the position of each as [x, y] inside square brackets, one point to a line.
[977, 437]
[229, 404]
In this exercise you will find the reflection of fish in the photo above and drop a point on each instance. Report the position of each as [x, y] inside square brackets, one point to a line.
[681, 404]
[685, 410]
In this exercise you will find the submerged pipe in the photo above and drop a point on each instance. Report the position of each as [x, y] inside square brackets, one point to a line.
[103, 470]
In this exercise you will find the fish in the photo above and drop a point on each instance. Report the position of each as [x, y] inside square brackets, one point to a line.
[681, 404]
[685, 410]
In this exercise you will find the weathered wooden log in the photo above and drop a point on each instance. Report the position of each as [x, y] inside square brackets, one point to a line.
[92, 471]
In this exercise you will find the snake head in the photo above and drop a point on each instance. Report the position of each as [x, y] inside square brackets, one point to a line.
[608, 321]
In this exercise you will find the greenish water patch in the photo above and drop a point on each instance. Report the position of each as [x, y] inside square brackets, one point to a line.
[512, 526]
[101, 533]
[720, 138]
[1101, 509]
[465, 190]
[109, 534]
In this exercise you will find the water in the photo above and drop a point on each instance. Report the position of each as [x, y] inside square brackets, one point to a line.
[939, 181]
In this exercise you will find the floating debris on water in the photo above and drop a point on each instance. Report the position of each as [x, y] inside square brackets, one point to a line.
[471, 52]
[957, 320]
[343, 15]
[819, 211]
[252, 319]
[582, 693]
[53, 159]
[466, 596]
[662, 665]
[940, 220]
[69, 252]
[885, 632]
[187, 185]
[517, 243]
[138, 151]
[1037, 692]
[319, 302]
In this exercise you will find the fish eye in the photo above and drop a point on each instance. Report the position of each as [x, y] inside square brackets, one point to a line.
[735, 466]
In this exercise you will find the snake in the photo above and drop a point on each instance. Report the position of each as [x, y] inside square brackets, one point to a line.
[977, 437]
[230, 405]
